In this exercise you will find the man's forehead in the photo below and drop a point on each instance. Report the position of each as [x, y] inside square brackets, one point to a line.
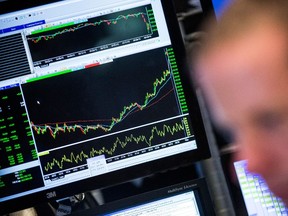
[256, 48]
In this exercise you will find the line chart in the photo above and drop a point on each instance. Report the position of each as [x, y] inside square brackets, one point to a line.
[94, 24]
[73, 39]
[150, 137]
[127, 110]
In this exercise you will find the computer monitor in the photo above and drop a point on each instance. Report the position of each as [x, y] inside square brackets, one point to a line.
[93, 93]
[258, 198]
[189, 198]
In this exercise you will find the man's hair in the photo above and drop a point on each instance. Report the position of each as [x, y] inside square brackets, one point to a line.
[242, 16]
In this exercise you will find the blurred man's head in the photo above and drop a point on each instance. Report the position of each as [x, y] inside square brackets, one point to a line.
[243, 70]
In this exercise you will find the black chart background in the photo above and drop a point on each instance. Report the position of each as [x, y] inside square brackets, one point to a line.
[99, 93]
[76, 155]
[91, 36]
[14, 123]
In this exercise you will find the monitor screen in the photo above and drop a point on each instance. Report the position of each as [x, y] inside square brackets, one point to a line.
[189, 198]
[258, 198]
[93, 93]
[220, 5]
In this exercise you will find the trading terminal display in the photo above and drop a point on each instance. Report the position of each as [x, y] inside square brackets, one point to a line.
[92, 91]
